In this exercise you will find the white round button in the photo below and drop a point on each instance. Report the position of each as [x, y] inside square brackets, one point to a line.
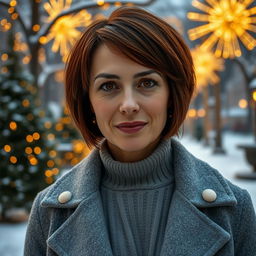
[64, 197]
[209, 195]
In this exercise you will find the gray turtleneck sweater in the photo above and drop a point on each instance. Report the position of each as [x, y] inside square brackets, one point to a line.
[136, 198]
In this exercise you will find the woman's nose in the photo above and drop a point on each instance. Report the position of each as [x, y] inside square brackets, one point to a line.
[129, 104]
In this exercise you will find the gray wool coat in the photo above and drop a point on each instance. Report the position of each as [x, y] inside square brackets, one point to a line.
[195, 227]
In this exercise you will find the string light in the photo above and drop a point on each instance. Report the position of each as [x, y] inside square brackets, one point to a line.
[3, 22]
[14, 16]
[105, 6]
[32, 160]
[59, 127]
[26, 59]
[5, 25]
[51, 136]
[50, 163]
[47, 125]
[11, 10]
[74, 161]
[36, 27]
[29, 138]
[4, 57]
[25, 103]
[13, 159]
[37, 150]
[43, 40]
[226, 22]
[7, 148]
[4, 69]
[254, 95]
[13, 3]
[242, 103]
[201, 112]
[129, 4]
[78, 146]
[68, 155]
[191, 113]
[55, 171]
[36, 136]
[49, 180]
[13, 125]
[18, 44]
[48, 173]
[118, 4]
[52, 153]
[28, 150]
[100, 2]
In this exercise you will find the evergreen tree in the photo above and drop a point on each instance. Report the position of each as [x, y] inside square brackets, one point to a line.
[27, 160]
[71, 144]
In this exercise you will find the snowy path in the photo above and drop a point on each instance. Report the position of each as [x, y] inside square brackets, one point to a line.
[12, 235]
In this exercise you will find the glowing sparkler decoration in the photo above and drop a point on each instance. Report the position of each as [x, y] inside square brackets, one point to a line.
[227, 21]
[65, 31]
[206, 65]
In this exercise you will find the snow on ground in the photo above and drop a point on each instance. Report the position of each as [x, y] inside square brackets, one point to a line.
[12, 235]
[12, 239]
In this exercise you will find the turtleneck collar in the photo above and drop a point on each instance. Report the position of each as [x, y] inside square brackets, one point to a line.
[151, 172]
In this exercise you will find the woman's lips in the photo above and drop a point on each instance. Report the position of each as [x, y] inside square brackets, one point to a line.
[131, 127]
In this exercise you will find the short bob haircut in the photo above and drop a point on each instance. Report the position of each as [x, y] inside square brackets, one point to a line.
[143, 38]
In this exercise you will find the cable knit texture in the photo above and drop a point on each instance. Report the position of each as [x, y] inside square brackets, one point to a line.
[136, 199]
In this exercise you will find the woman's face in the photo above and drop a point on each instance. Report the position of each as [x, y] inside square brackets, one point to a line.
[130, 104]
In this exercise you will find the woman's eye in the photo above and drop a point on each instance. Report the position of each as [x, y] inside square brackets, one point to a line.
[109, 86]
[148, 83]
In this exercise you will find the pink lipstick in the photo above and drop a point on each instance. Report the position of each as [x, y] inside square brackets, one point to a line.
[131, 127]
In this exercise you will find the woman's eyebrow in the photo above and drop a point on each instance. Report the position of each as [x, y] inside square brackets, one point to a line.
[107, 75]
[113, 76]
[147, 72]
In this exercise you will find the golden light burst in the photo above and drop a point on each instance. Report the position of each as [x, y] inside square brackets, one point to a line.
[227, 21]
[65, 30]
[206, 65]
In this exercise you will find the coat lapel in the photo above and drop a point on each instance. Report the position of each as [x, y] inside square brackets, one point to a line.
[189, 231]
[84, 232]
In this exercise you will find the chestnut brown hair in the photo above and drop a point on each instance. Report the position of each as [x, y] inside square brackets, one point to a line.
[143, 38]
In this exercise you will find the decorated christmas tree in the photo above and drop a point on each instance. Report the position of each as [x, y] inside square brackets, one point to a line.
[71, 144]
[26, 150]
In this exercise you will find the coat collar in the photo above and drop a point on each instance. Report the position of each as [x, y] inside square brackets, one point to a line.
[192, 176]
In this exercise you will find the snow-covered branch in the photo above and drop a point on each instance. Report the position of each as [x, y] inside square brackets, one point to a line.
[48, 69]
[78, 7]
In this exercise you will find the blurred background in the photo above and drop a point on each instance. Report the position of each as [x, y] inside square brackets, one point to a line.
[38, 141]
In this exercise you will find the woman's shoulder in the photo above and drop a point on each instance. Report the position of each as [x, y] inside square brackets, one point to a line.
[74, 185]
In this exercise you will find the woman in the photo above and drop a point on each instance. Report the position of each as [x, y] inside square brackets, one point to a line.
[129, 81]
